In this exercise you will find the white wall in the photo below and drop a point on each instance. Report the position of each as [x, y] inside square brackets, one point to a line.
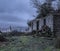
[30, 29]
[34, 25]
[40, 23]
[49, 21]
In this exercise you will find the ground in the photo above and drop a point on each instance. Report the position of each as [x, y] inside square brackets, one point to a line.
[28, 43]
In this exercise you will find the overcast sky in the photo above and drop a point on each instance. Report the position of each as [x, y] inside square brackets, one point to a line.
[16, 12]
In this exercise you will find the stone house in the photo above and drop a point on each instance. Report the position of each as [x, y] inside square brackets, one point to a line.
[52, 20]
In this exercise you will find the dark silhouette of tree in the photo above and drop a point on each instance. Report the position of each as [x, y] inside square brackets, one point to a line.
[43, 9]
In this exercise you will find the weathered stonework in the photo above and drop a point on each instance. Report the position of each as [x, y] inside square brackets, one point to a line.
[49, 23]
[53, 22]
[56, 28]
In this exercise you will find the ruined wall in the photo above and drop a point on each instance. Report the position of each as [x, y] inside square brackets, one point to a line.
[40, 23]
[57, 25]
[34, 25]
[49, 21]
[57, 30]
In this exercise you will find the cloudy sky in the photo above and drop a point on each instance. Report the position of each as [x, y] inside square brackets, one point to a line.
[16, 12]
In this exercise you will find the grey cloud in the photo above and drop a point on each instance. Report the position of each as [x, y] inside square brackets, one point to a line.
[15, 11]
[10, 19]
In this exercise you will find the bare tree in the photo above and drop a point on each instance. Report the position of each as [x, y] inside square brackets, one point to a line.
[43, 9]
[36, 4]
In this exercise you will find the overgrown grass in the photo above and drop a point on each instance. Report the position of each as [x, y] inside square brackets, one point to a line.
[28, 43]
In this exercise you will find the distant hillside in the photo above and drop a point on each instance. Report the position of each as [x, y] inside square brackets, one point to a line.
[7, 28]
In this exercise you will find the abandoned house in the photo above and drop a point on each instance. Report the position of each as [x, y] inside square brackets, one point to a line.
[47, 23]
[50, 22]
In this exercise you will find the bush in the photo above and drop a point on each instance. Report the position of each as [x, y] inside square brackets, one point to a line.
[2, 38]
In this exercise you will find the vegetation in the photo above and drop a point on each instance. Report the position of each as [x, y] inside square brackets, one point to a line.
[43, 9]
[28, 43]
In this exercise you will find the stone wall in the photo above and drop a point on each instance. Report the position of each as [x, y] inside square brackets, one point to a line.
[41, 23]
[34, 25]
[57, 25]
[57, 30]
[49, 21]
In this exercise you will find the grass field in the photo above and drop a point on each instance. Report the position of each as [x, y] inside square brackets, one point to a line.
[28, 43]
